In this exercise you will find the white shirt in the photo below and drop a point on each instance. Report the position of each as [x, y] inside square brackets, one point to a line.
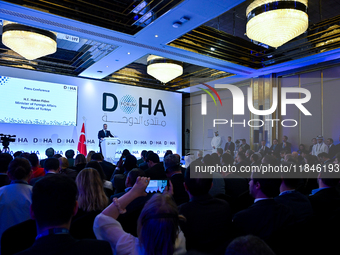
[122, 243]
[216, 142]
[318, 148]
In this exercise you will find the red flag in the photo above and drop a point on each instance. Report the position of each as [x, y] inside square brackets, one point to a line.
[82, 142]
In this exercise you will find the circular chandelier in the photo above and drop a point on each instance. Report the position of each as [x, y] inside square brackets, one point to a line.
[276, 22]
[163, 69]
[29, 42]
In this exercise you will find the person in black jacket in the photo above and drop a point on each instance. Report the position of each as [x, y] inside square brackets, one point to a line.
[53, 206]
[174, 174]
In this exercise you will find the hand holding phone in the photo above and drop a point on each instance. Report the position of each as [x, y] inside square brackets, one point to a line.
[156, 186]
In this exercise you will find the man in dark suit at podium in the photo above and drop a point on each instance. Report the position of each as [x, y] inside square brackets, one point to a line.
[102, 134]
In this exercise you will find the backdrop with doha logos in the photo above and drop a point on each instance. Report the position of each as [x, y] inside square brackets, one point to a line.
[141, 118]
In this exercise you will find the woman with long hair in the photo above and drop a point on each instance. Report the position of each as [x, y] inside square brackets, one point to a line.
[92, 200]
[158, 224]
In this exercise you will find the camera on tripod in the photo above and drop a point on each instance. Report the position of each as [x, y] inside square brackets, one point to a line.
[5, 140]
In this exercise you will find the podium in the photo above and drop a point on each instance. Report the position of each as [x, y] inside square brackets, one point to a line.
[109, 147]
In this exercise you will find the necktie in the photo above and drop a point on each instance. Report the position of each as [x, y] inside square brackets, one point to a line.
[105, 132]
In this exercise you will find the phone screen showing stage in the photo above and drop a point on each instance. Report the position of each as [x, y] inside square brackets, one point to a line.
[156, 186]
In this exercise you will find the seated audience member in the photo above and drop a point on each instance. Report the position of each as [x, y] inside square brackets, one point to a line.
[119, 177]
[216, 213]
[89, 156]
[264, 150]
[129, 181]
[52, 166]
[269, 160]
[248, 245]
[174, 174]
[36, 170]
[218, 182]
[275, 148]
[325, 199]
[5, 159]
[168, 152]
[282, 155]
[248, 153]
[92, 200]
[301, 149]
[254, 159]
[65, 170]
[121, 159]
[79, 163]
[143, 166]
[17, 154]
[107, 167]
[142, 157]
[241, 163]
[156, 168]
[69, 154]
[108, 188]
[53, 205]
[160, 213]
[49, 153]
[265, 217]
[332, 149]
[235, 185]
[15, 198]
[290, 159]
[289, 196]
[325, 159]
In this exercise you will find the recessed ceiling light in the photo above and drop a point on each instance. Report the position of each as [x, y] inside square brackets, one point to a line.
[156, 35]
[107, 66]
[128, 53]
[212, 48]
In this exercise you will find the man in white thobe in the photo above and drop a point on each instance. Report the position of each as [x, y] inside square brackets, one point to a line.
[319, 147]
[216, 142]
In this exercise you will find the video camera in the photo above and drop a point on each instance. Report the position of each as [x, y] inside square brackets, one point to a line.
[6, 139]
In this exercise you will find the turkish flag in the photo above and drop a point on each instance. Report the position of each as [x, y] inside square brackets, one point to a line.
[82, 142]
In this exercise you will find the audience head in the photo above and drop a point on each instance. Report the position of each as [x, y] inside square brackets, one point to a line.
[5, 159]
[285, 138]
[199, 154]
[290, 158]
[286, 180]
[129, 163]
[264, 184]
[33, 159]
[254, 157]
[270, 160]
[208, 160]
[91, 195]
[97, 157]
[49, 152]
[301, 147]
[53, 201]
[158, 225]
[57, 156]
[125, 153]
[152, 159]
[215, 159]
[229, 139]
[168, 152]
[219, 151]
[244, 141]
[248, 245]
[24, 155]
[275, 141]
[63, 163]
[17, 154]
[323, 156]
[89, 156]
[227, 159]
[80, 159]
[197, 186]
[171, 164]
[143, 154]
[249, 153]
[52, 164]
[19, 169]
[319, 139]
[328, 179]
[95, 164]
[314, 141]
[132, 177]
[241, 157]
[69, 153]
[329, 141]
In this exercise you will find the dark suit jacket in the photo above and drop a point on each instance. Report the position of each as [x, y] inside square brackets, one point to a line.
[325, 202]
[108, 169]
[245, 147]
[101, 134]
[208, 215]
[299, 203]
[332, 151]
[34, 180]
[265, 151]
[276, 151]
[231, 148]
[4, 180]
[180, 195]
[287, 148]
[65, 244]
[82, 224]
[263, 219]
[156, 172]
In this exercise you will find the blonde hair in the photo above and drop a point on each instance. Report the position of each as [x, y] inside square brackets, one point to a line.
[91, 195]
